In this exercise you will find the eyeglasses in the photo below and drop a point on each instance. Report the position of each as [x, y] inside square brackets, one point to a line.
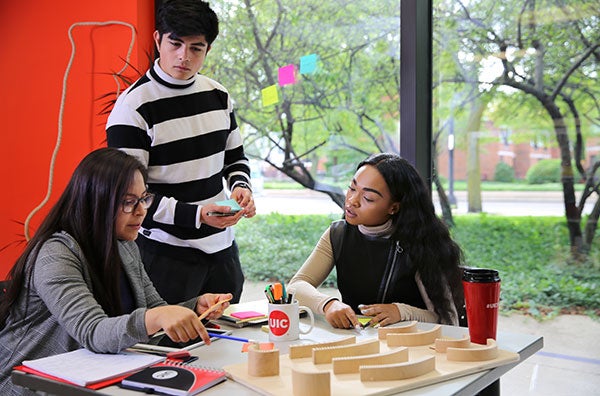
[129, 205]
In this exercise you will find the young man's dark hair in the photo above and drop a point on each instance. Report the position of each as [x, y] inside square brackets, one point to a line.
[187, 18]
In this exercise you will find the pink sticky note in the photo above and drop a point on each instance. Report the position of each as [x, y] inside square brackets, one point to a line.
[287, 75]
[247, 314]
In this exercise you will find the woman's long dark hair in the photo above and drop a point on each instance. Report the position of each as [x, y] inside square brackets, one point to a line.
[86, 210]
[421, 233]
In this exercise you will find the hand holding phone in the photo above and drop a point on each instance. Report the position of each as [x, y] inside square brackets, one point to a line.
[233, 205]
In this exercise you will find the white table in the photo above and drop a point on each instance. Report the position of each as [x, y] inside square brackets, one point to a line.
[226, 352]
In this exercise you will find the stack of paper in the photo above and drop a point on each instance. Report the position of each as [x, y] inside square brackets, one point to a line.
[244, 314]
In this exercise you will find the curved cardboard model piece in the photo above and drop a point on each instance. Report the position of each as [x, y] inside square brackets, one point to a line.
[351, 364]
[442, 344]
[263, 363]
[311, 383]
[415, 339]
[325, 355]
[399, 371]
[411, 327]
[477, 354]
[305, 350]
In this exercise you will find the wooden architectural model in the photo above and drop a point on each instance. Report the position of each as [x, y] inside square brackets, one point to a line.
[392, 360]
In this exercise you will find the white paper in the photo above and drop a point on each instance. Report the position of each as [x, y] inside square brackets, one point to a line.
[83, 367]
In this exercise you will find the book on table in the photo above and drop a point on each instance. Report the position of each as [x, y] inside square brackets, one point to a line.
[83, 367]
[174, 378]
[245, 314]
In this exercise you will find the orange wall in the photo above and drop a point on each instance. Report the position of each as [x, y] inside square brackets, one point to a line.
[35, 55]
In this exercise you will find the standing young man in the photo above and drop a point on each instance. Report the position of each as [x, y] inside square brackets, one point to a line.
[181, 126]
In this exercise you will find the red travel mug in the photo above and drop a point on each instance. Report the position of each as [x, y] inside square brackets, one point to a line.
[482, 295]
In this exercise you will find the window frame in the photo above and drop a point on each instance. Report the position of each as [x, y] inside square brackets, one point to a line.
[415, 85]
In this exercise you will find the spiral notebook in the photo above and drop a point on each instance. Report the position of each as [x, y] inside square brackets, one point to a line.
[85, 368]
[174, 378]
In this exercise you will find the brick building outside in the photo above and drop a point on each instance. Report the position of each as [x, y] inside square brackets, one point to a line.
[520, 156]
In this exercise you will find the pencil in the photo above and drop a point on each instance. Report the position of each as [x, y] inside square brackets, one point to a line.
[228, 337]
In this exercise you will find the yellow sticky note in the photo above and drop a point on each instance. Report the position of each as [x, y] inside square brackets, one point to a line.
[270, 96]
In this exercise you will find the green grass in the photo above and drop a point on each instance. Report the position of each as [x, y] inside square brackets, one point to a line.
[531, 254]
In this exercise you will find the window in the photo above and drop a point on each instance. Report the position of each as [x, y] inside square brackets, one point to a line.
[314, 82]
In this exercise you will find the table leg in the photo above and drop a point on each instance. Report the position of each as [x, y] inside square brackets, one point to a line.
[492, 389]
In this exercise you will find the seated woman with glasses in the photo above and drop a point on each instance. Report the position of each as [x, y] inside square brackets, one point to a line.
[80, 281]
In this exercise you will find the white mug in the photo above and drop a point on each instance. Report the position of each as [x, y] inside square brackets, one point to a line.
[284, 321]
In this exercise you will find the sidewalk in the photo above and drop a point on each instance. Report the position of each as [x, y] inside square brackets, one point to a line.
[512, 203]
[569, 363]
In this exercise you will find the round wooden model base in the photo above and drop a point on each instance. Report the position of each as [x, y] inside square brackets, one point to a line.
[313, 384]
[263, 363]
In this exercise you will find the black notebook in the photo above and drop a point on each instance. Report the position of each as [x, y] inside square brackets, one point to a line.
[174, 378]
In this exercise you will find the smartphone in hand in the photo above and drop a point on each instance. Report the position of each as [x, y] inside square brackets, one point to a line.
[222, 214]
[235, 207]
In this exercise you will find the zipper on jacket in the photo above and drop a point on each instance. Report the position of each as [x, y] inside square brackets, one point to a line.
[397, 250]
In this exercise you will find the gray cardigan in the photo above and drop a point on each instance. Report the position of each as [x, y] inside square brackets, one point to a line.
[63, 315]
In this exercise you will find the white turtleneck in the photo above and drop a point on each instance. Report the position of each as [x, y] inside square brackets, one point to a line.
[384, 230]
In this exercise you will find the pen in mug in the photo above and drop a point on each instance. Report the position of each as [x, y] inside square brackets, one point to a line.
[269, 294]
[277, 293]
[284, 295]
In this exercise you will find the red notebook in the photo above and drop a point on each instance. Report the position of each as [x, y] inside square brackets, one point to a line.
[95, 386]
[174, 378]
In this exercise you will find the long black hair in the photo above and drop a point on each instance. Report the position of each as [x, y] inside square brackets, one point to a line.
[86, 210]
[420, 231]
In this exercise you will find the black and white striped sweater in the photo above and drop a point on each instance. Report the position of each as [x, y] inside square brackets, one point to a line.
[186, 134]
